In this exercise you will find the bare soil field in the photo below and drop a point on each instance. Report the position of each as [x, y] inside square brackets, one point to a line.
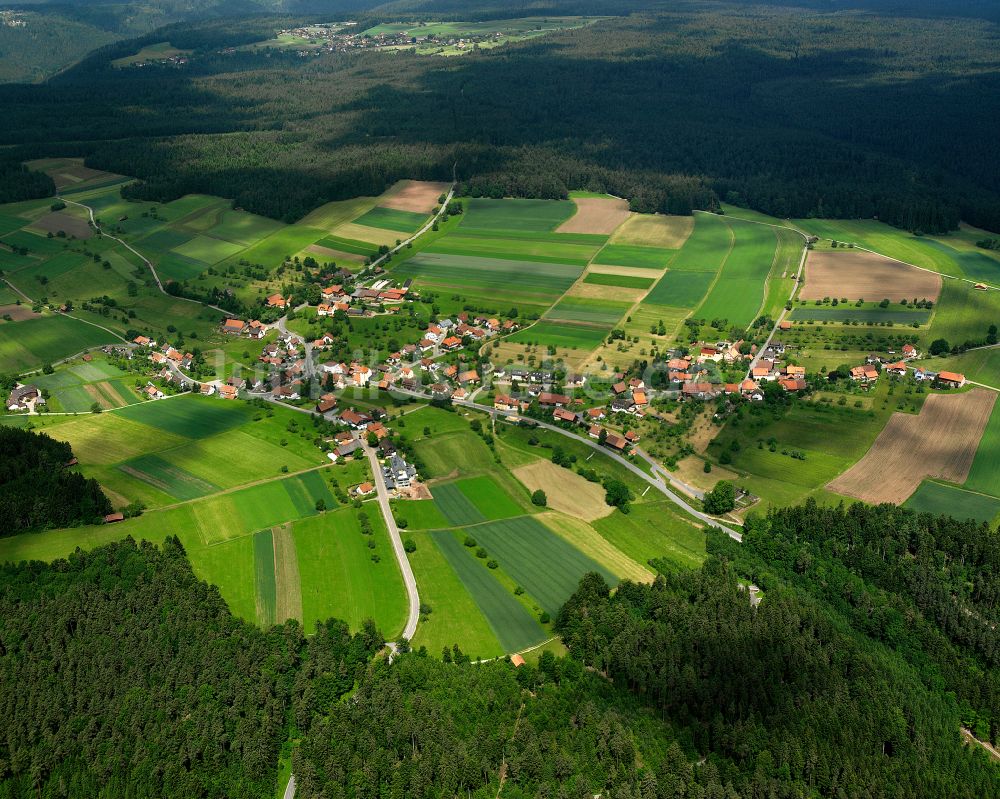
[17, 313]
[593, 291]
[334, 255]
[596, 215]
[627, 271]
[419, 196]
[288, 593]
[939, 442]
[565, 490]
[654, 230]
[859, 275]
[97, 397]
[69, 224]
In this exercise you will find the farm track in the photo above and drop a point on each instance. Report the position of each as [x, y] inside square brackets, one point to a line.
[145, 260]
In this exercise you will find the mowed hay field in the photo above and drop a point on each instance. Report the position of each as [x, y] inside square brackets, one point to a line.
[596, 215]
[44, 339]
[649, 230]
[565, 490]
[941, 441]
[856, 274]
[739, 292]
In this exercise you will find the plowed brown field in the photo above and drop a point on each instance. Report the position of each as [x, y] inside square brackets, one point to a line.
[596, 215]
[860, 275]
[940, 442]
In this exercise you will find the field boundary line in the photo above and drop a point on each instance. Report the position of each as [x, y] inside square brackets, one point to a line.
[722, 267]
[16, 289]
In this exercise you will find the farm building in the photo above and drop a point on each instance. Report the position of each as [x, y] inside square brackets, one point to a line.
[951, 379]
[23, 397]
[234, 327]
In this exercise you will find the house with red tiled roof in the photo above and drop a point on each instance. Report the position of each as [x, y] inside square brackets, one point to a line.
[558, 400]
[470, 376]
[951, 379]
[277, 301]
[562, 415]
[864, 374]
[793, 383]
[452, 343]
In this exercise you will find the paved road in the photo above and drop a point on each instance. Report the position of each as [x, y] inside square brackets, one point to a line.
[656, 482]
[290, 787]
[397, 546]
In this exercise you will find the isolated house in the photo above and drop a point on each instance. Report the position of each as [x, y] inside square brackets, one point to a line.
[22, 397]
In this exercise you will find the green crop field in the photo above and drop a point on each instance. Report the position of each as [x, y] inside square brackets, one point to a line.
[171, 266]
[848, 313]
[634, 255]
[708, 246]
[392, 219]
[166, 477]
[984, 476]
[456, 507]
[622, 281]
[974, 265]
[455, 617]
[947, 500]
[207, 249]
[264, 583]
[8, 224]
[547, 566]
[461, 451]
[272, 250]
[510, 621]
[520, 215]
[559, 334]
[420, 514]
[339, 578]
[680, 289]
[550, 249]
[492, 501]
[352, 246]
[33, 342]
[493, 278]
[190, 416]
[739, 292]
[963, 313]
[604, 313]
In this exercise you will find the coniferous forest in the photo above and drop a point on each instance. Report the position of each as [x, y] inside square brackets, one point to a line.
[784, 110]
[36, 488]
[121, 674]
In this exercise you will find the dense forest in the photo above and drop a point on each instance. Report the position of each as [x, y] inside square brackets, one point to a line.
[832, 686]
[37, 490]
[122, 675]
[791, 112]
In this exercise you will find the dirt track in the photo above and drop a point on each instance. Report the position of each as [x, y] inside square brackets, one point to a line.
[857, 275]
[939, 442]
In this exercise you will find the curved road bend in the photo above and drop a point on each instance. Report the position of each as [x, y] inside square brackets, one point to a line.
[658, 484]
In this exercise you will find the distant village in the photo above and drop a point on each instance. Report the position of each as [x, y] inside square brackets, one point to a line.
[334, 38]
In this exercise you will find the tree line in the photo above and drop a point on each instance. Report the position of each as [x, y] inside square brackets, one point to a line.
[36, 488]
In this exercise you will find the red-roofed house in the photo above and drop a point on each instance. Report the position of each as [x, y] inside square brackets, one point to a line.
[951, 379]
[276, 301]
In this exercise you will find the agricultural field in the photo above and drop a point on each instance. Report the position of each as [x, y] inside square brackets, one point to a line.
[979, 365]
[856, 274]
[31, 343]
[786, 456]
[78, 386]
[679, 289]
[654, 230]
[622, 281]
[940, 442]
[738, 293]
[536, 216]
[392, 219]
[947, 500]
[564, 248]
[867, 314]
[500, 282]
[601, 215]
[634, 255]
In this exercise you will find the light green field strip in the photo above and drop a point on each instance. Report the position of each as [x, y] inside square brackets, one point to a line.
[652, 531]
[455, 617]
[634, 255]
[738, 292]
[527, 215]
[586, 539]
[264, 585]
[340, 580]
[510, 621]
[31, 343]
[984, 475]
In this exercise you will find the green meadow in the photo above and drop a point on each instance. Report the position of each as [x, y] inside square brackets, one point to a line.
[391, 219]
[517, 215]
[680, 289]
[634, 255]
[622, 281]
[739, 291]
[603, 313]
[31, 343]
[946, 500]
